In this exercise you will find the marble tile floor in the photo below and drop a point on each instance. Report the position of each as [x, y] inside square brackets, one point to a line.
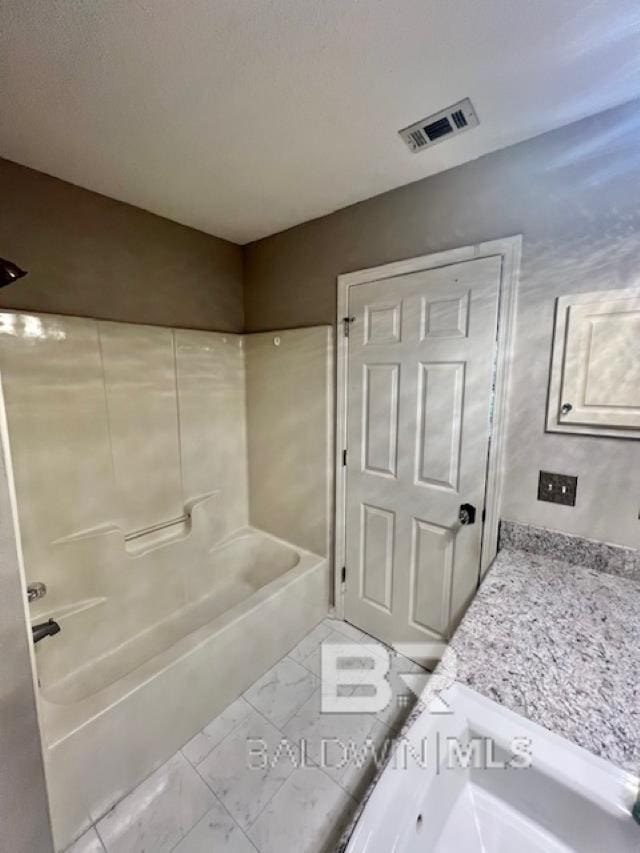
[271, 774]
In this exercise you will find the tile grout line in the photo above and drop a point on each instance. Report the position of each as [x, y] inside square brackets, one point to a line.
[282, 736]
[315, 765]
[244, 832]
[270, 800]
[94, 825]
[100, 839]
[281, 726]
[231, 730]
[224, 808]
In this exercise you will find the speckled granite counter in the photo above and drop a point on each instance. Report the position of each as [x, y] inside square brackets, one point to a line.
[560, 644]
[556, 640]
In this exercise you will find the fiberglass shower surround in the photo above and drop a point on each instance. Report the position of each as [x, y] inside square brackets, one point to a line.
[174, 498]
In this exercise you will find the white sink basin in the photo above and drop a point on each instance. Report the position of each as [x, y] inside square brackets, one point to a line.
[481, 779]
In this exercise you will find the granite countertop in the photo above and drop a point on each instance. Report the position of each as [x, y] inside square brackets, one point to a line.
[559, 644]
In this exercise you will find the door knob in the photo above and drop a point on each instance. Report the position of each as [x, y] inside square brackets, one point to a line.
[467, 514]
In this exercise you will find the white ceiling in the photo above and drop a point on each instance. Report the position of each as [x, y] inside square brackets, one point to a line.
[244, 117]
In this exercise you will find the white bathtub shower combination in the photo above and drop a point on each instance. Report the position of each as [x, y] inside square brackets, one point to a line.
[236, 570]
[146, 462]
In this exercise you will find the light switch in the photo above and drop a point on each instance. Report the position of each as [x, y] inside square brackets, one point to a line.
[557, 488]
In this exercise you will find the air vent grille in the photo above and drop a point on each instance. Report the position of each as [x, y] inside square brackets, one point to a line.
[449, 122]
[459, 119]
[438, 128]
[418, 138]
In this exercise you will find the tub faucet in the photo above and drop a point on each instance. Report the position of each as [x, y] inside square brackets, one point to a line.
[44, 629]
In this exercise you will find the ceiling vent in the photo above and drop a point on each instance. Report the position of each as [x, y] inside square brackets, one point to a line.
[455, 119]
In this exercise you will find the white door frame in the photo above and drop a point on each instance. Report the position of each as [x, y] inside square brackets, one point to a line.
[509, 249]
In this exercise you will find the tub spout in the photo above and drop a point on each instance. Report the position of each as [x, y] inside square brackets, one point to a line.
[44, 629]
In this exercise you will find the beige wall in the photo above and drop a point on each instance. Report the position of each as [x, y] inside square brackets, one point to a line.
[289, 429]
[573, 194]
[94, 257]
[24, 814]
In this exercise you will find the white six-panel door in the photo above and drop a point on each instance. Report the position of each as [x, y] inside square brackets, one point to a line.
[421, 356]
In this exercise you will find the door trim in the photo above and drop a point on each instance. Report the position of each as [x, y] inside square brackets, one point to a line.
[509, 250]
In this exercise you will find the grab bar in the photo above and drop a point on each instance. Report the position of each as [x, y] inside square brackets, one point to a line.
[155, 528]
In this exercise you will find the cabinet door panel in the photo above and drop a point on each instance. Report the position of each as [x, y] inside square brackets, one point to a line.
[595, 383]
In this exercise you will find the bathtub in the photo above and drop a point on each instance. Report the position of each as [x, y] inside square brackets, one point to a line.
[111, 713]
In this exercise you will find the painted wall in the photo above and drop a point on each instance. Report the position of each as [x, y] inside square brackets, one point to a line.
[24, 812]
[289, 430]
[94, 257]
[573, 194]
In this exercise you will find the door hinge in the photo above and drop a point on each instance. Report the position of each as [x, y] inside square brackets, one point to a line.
[344, 457]
[343, 574]
[346, 322]
[484, 515]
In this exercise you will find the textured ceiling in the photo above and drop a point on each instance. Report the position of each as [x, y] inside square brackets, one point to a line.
[244, 117]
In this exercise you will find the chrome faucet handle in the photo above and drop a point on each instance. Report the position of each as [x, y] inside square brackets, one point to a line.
[36, 590]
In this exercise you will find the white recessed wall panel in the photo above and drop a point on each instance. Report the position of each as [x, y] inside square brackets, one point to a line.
[602, 363]
[439, 424]
[382, 324]
[431, 568]
[140, 383]
[380, 418]
[612, 377]
[289, 424]
[54, 395]
[445, 318]
[595, 373]
[377, 531]
[211, 401]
